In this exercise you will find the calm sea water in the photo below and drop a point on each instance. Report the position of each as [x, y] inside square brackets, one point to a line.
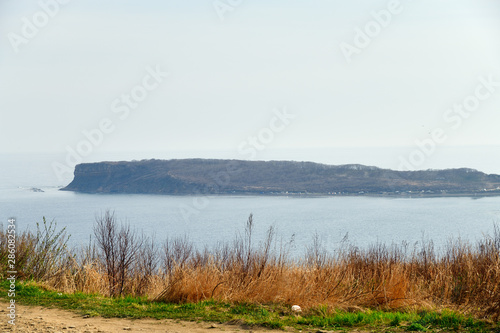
[207, 221]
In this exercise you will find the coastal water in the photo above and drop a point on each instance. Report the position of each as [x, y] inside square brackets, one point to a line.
[208, 220]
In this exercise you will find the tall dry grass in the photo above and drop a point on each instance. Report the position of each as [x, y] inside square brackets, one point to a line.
[462, 276]
[40, 255]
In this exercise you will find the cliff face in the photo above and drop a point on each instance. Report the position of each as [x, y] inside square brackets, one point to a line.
[126, 177]
[195, 176]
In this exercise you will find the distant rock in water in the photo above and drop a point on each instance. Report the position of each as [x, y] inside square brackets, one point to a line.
[200, 176]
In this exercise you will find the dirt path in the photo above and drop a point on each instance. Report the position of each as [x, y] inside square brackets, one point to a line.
[44, 320]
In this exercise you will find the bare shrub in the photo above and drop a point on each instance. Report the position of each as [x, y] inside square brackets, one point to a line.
[38, 256]
[176, 253]
[146, 266]
[118, 246]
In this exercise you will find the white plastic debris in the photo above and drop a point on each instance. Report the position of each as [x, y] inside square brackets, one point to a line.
[296, 308]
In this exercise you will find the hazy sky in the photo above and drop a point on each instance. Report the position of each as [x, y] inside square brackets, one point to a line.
[294, 75]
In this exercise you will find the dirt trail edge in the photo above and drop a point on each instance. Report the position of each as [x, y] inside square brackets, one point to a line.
[44, 320]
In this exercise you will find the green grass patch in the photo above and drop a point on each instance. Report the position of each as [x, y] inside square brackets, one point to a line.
[416, 327]
[274, 316]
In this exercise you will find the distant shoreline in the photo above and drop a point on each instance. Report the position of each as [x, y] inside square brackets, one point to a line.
[405, 195]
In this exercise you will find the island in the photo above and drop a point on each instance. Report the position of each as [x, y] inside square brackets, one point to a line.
[237, 177]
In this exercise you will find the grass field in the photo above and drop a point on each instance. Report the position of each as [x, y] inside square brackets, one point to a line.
[126, 274]
[267, 315]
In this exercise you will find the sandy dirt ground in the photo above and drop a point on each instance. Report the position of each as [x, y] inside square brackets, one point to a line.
[38, 319]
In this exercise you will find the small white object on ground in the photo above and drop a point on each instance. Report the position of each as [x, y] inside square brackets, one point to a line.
[296, 308]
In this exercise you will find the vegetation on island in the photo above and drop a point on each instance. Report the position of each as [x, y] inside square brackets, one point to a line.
[123, 273]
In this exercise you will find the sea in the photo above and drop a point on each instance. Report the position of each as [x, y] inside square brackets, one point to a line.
[208, 221]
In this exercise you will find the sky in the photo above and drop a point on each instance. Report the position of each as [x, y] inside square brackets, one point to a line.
[400, 84]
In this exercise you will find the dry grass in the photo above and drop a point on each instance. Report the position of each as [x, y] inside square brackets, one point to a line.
[462, 277]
